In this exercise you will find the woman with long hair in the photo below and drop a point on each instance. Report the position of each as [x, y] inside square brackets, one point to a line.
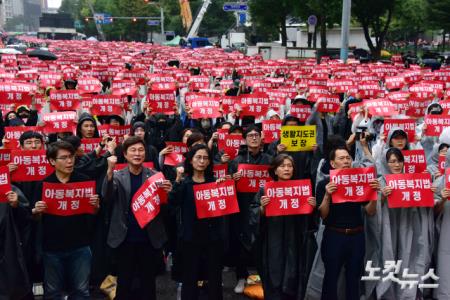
[201, 239]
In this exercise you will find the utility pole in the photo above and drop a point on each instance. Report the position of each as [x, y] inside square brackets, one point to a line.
[97, 25]
[345, 29]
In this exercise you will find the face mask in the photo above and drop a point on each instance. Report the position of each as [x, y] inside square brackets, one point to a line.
[206, 124]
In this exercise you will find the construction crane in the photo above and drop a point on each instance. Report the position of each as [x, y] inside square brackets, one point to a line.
[193, 31]
[97, 24]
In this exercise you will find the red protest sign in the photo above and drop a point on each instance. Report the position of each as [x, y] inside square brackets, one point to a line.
[13, 133]
[87, 85]
[205, 108]
[220, 170]
[380, 107]
[441, 163]
[353, 185]
[61, 100]
[394, 82]
[230, 143]
[271, 130]
[215, 199]
[115, 131]
[68, 199]
[302, 112]
[198, 82]
[410, 190]
[47, 79]
[253, 177]
[89, 145]
[415, 161]
[147, 164]
[256, 104]
[5, 183]
[288, 197]
[162, 101]
[407, 125]
[5, 157]
[328, 103]
[32, 165]
[147, 200]
[106, 105]
[176, 157]
[17, 97]
[59, 122]
[436, 124]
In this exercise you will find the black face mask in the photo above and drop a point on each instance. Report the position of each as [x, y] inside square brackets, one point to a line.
[161, 124]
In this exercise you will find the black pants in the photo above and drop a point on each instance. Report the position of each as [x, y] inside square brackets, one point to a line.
[137, 261]
[192, 256]
[340, 250]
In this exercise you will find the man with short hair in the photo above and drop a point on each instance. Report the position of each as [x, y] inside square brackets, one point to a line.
[139, 249]
[66, 239]
[343, 242]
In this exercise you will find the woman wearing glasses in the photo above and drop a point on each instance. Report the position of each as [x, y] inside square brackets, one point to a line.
[202, 239]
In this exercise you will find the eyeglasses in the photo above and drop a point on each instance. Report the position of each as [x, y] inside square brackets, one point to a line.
[253, 135]
[66, 157]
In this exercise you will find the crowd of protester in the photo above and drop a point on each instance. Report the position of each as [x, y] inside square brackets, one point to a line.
[319, 255]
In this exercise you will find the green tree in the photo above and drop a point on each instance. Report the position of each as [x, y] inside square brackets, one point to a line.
[375, 16]
[410, 20]
[270, 17]
[439, 16]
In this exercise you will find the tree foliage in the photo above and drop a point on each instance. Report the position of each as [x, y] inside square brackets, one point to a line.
[375, 16]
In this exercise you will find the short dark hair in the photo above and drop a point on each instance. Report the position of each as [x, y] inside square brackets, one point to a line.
[74, 140]
[442, 146]
[53, 148]
[333, 151]
[396, 152]
[194, 138]
[277, 161]
[30, 135]
[290, 118]
[189, 170]
[130, 141]
[250, 129]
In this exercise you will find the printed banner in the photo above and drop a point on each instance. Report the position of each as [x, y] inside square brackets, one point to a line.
[436, 124]
[288, 197]
[302, 112]
[253, 178]
[410, 190]
[118, 132]
[106, 105]
[176, 157]
[353, 185]
[205, 108]
[407, 125]
[271, 130]
[63, 100]
[13, 134]
[215, 199]
[298, 138]
[147, 200]
[162, 101]
[230, 143]
[415, 161]
[5, 183]
[32, 165]
[68, 199]
[60, 122]
[147, 164]
[5, 157]
[220, 170]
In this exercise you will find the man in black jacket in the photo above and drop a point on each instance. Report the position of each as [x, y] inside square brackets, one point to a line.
[66, 239]
[251, 153]
[138, 250]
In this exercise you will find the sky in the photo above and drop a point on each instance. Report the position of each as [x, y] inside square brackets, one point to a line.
[54, 3]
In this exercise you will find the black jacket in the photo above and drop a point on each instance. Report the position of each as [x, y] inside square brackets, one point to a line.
[191, 228]
[118, 193]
